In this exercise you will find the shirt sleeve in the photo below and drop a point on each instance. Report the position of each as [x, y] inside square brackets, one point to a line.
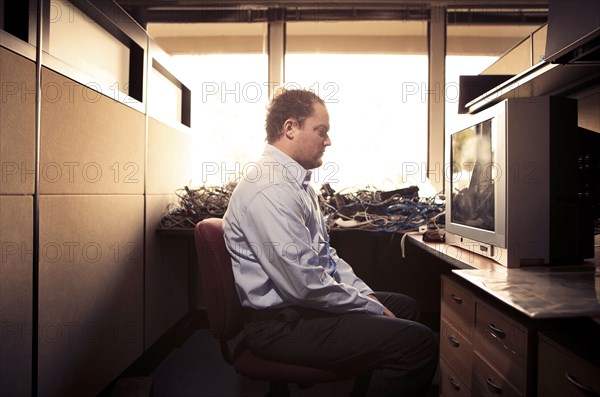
[276, 232]
[347, 275]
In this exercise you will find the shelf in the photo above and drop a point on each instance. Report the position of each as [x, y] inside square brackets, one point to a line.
[541, 79]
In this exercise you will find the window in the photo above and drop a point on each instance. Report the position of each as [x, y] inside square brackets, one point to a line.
[228, 101]
[71, 31]
[373, 78]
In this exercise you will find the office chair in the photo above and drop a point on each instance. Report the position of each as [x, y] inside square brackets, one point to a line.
[225, 318]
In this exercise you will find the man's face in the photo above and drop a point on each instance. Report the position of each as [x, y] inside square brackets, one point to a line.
[312, 138]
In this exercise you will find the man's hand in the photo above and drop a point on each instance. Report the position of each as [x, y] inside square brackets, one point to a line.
[386, 311]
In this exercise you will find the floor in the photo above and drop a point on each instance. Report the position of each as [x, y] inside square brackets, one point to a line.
[197, 369]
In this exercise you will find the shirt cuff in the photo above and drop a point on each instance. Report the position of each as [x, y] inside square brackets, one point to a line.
[374, 307]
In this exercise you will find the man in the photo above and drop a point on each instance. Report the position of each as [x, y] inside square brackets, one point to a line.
[303, 303]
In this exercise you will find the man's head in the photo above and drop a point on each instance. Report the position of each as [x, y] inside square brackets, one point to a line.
[297, 123]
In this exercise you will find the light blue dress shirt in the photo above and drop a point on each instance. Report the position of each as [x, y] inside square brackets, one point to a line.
[279, 244]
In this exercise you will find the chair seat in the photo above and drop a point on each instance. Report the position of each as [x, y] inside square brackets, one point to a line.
[250, 365]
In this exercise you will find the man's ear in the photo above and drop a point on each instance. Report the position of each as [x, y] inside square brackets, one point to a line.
[289, 128]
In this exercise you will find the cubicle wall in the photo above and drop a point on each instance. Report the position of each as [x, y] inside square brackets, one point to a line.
[168, 273]
[85, 284]
[91, 237]
[17, 138]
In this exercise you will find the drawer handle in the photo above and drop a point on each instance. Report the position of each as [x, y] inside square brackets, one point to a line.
[453, 341]
[578, 385]
[497, 389]
[453, 383]
[496, 331]
[456, 298]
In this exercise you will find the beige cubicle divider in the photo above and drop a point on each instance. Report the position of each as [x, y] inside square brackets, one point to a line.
[168, 271]
[91, 237]
[90, 143]
[17, 123]
[16, 249]
[170, 158]
[17, 170]
[95, 206]
[90, 291]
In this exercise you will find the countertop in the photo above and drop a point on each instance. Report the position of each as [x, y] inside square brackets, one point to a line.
[538, 292]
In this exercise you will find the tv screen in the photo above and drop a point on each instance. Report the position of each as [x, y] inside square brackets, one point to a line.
[512, 184]
[473, 174]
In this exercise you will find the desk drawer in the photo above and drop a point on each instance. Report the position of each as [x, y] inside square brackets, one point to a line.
[503, 343]
[489, 383]
[563, 374]
[456, 351]
[451, 384]
[458, 308]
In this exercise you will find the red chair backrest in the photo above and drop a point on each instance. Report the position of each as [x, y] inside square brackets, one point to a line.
[223, 306]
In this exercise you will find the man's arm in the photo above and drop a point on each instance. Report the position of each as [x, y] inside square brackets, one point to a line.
[347, 275]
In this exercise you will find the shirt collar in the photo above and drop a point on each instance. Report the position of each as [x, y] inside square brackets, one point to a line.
[293, 170]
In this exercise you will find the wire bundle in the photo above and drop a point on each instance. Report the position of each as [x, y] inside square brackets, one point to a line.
[396, 211]
[197, 204]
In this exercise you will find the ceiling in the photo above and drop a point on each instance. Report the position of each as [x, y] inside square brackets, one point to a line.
[186, 11]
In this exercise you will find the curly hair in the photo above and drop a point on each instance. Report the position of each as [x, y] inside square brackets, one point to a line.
[289, 104]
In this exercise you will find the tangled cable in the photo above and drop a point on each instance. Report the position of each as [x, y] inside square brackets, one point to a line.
[197, 204]
[394, 211]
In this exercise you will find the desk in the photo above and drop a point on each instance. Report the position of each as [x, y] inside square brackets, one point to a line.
[542, 293]
[374, 256]
[537, 292]
[517, 331]
[185, 236]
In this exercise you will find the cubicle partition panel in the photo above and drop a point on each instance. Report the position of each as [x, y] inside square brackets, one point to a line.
[16, 245]
[17, 119]
[17, 167]
[85, 286]
[91, 237]
[168, 275]
[90, 291]
[90, 143]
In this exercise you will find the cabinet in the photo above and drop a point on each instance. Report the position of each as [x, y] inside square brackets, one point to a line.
[561, 372]
[483, 351]
[500, 349]
[487, 348]
[456, 337]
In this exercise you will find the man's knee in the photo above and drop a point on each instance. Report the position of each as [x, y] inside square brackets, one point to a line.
[428, 347]
[418, 347]
[403, 306]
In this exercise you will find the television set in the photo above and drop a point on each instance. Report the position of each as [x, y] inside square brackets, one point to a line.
[512, 185]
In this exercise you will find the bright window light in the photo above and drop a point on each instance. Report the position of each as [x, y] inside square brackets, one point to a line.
[378, 114]
[228, 112]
